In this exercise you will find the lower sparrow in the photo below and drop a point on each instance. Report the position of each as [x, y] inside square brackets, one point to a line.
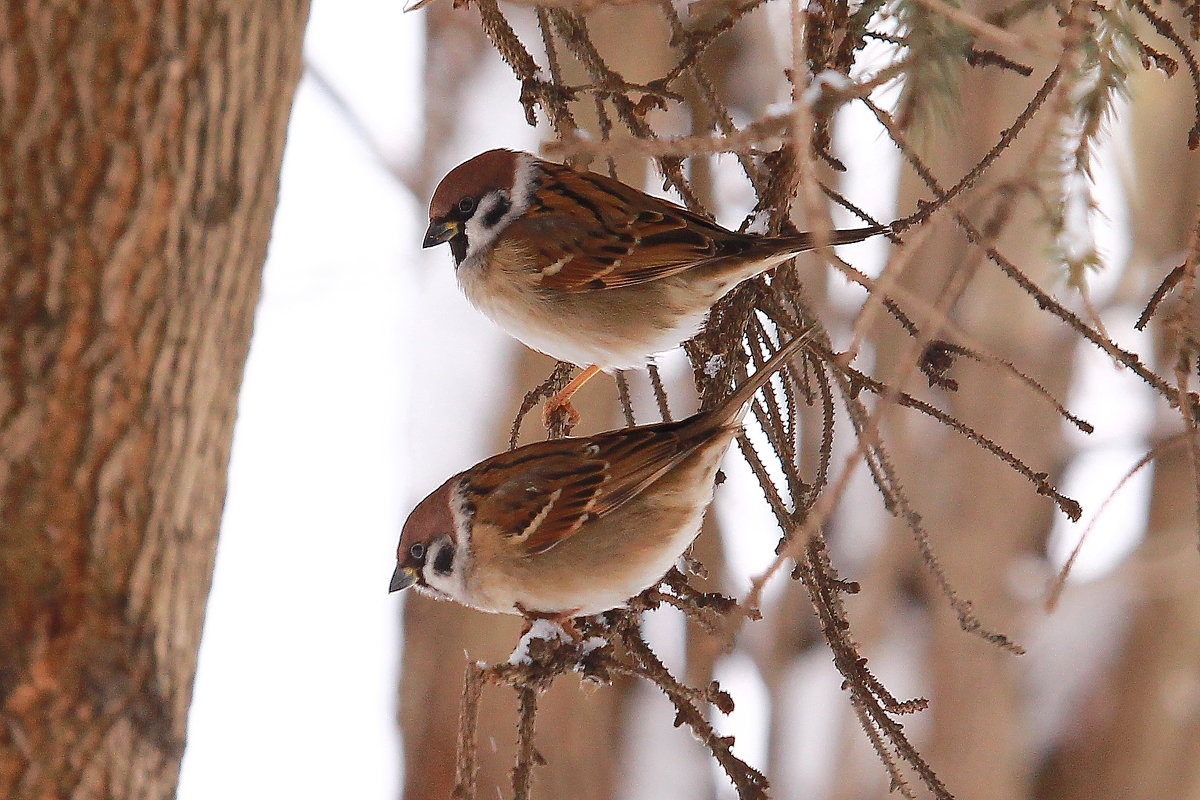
[588, 269]
[573, 527]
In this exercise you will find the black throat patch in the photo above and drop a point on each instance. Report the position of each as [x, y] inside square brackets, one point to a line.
[458, 247]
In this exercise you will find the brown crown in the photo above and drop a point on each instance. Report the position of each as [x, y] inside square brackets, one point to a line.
[430, 519]
[491, 170]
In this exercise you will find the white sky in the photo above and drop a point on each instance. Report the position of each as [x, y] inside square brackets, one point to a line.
[295, 694]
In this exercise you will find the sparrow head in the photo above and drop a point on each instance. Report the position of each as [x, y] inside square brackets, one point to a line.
[478, 199]
[428, 550]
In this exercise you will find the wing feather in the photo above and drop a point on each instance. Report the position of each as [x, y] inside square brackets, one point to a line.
[541, 494]
[597, 233]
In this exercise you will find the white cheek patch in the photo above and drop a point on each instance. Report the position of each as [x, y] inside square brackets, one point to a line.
[445, 584]
[480, 235]
[523, 184]
[451, 584]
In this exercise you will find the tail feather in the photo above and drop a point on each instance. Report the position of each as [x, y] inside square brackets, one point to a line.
[808, 240]
[733, 408]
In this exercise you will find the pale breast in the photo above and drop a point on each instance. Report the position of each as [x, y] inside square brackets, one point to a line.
[612, 328]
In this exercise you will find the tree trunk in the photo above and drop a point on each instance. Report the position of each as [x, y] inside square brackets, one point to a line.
[141, 146]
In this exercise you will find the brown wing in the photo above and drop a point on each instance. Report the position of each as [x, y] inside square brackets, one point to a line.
[543, 493]
[593, 232]
[638, 457]
[538, 495]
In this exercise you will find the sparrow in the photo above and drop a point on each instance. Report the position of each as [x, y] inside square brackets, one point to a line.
[576, 526]
[588, 269]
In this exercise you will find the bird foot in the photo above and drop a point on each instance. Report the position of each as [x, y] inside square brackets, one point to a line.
[562, 619]
[556, 405]
[562, 400]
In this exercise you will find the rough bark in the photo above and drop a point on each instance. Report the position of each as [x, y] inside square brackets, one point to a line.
[141, 145]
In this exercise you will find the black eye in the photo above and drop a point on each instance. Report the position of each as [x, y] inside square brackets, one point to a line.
[466, 205]
[417, 551]
[443, 560]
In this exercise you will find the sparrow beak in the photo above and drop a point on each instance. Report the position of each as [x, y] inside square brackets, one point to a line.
[441, 231]
[402, 578]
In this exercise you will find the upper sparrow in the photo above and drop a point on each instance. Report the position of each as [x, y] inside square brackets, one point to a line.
[572, 527]
[587, 269]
